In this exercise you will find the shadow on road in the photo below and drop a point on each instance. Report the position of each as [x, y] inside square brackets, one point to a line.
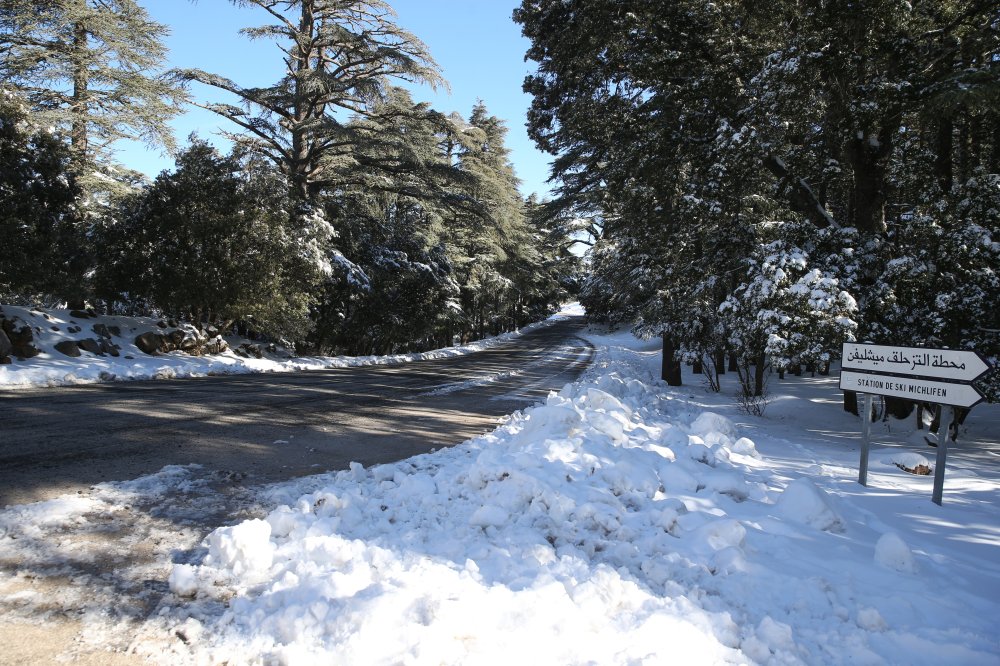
[274, 426]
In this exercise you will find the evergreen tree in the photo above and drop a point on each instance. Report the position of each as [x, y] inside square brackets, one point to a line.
[89, 68]
[36, 200]
[210, 242]
[340, 58]
[700, 135]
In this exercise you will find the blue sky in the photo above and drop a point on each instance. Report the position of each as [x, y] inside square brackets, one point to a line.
[479, 48]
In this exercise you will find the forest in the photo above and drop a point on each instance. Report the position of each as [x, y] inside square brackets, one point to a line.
[763, 181]
[347, 218]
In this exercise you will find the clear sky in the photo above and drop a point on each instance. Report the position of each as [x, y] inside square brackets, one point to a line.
[479, 48]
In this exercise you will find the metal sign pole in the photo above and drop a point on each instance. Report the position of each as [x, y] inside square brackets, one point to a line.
[944, 430]
[866, 437]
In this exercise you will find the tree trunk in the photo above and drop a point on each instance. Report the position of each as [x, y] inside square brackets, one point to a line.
[758, 376]
[734, 363]
[720, 361]
[868, 155]
[670, 370]
[698, 369]
[81, 81]
[943, 146]
[300, 163]
[851, 402]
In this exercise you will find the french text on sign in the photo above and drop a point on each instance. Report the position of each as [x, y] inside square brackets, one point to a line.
[951, 364]
[956, 395]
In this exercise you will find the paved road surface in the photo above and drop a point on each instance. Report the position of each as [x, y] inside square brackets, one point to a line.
[273, 426]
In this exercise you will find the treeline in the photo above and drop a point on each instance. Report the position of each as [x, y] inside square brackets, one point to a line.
[346, 219]
[767, 180]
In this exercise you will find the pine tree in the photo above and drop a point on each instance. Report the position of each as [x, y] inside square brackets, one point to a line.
[36, 200]
[210, 242]
[393, 281]
[340, 58]
[702, 134]
[89, 68]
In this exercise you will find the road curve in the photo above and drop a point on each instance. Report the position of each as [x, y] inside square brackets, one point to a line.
[273, 426]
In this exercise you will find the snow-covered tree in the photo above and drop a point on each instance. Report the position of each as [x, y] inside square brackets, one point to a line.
[94, 69]
[36, 203]
[210, 242]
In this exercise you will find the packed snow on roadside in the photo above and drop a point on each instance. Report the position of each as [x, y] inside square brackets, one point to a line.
[620, 522]
[53, 368]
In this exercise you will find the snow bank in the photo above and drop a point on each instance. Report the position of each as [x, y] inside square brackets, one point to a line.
[612, 524]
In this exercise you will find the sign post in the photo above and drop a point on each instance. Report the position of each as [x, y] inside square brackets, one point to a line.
[866, 439]
[941, 376]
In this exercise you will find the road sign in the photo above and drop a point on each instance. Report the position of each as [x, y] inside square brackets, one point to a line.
[919, 390]
[942, 376]
[953, 364]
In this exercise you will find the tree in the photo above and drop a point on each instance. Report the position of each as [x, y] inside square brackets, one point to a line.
[702, 134]
[339, 58]
[36, 199]
[89, 68]
[210, 241]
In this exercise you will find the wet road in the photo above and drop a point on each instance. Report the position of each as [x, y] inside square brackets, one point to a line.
[273, 426]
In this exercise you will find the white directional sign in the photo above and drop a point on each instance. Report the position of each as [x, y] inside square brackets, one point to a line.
[956, 365]
[942, 376]
[920, 390]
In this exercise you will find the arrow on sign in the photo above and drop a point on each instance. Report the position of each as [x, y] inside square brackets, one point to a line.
[953, 364]
[944, 393]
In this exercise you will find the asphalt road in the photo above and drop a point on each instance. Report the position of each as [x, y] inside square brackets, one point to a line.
[274, 426]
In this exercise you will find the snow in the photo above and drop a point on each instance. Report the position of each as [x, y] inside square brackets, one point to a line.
[52, 368]
[621, 521]
[893, 553]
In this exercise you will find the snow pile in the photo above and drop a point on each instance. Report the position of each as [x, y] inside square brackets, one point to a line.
[893, 553]
[615, 523]
[803, 502]
[51, 327]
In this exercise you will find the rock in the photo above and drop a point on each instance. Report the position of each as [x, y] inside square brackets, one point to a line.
[79, 314]
[251, 350]
[921, 470]
[55, 328]
[161, 324]
[101, 330]
[109, 347]
[5, 344]
[115, 331]
[5, 360]
[27, 351]
[74, 329]
[68, 348]
[106, 376]
[90, 345]
[211, 330]
[150, 343]
[176, 337]
[216, 346]
[20, 339]
[172, 323]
